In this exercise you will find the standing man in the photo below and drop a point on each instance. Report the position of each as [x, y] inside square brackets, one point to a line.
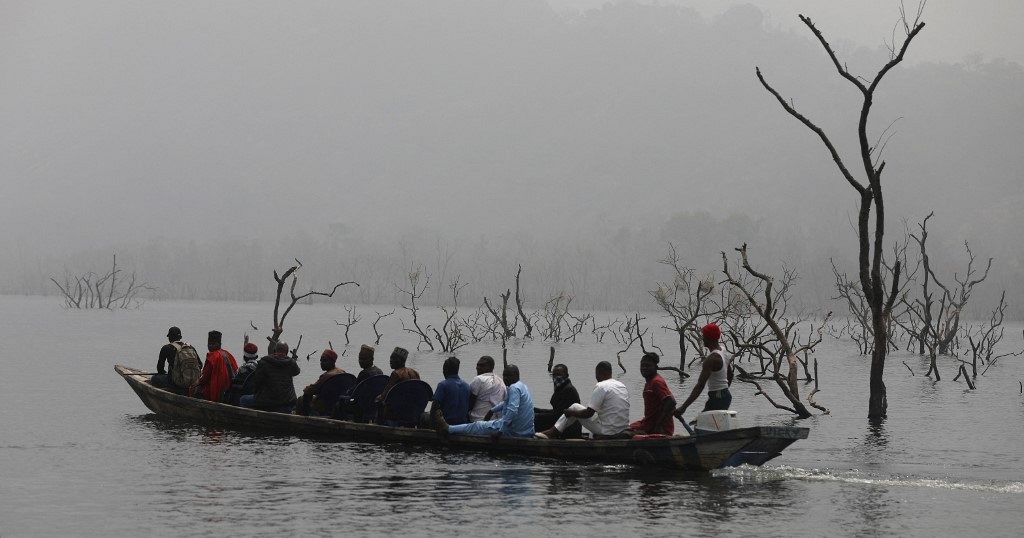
[486, 390]
[715, 372]
[516, 413]
[273, 389]
[216, 376]
[366, 363]
[658, 401]
[451, 398]
[607, 414]
[328, 363]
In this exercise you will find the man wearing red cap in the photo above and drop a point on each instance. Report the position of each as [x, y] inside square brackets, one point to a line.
[715, 373]
[241, 384]
[328, 363]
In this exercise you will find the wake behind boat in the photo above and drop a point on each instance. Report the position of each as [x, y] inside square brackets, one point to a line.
[700, 453]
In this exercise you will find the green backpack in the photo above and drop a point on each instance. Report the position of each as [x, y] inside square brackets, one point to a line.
[187, 365]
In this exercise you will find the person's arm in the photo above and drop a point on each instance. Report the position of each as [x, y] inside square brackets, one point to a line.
[509, 409]
[668, 406]
[728, 373]
[165, 357]
[705, 373]
[204, 375]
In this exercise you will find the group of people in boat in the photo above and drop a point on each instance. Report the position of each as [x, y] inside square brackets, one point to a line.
[488, 404]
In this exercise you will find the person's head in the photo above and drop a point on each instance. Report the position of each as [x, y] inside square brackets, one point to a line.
[485, 365]
[649, 365]
[603, 371]
[450, 367]
[213, 341]
[560, 371]
[398, 358]
[279, 349]
[510, 374]
[328, 359]
[173, 334]
[365, 356]
[250, 351]
[711, 335]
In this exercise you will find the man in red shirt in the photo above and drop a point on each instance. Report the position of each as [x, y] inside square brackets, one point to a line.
[216, 376]
[658, 401]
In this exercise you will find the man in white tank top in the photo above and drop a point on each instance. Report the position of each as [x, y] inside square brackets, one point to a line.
[715, 373]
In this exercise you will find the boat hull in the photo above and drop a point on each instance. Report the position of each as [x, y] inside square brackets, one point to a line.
[700, 453]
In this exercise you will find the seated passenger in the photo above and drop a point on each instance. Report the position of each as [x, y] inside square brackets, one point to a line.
[399, 372]
[516, 413]
[273, 389]
[658, 401]
[241, 384]
[186, 371]
[309, 403]
[366, 364]
[216, 375]
[486, 390]
[565, 395]
[607, 415]
[452, 394]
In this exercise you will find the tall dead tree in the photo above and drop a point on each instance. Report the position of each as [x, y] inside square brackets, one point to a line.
[685, 300]
[780, 344]
[418, 281]
[281, 280]
[870, 245]
[519, 307]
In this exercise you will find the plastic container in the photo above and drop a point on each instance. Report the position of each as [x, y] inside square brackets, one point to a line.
[717, 421]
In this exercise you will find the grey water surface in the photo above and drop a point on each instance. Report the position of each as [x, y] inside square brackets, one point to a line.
[80, 455]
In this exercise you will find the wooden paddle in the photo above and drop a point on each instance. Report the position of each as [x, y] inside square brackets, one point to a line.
[689, 430]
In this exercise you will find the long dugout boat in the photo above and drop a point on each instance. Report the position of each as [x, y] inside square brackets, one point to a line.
[700, 453]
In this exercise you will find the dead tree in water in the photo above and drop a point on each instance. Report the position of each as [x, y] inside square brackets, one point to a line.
[107, 291]
[351, 319]
[508, 331]
[778, 346]
[450, 336]
[376, 332]
[684, 301]
[984, 340]
[519, 307]
[279, 316]
[870, 242]
[936, 323]
[415, 292]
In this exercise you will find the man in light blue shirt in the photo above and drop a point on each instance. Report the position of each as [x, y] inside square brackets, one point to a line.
[516, 413]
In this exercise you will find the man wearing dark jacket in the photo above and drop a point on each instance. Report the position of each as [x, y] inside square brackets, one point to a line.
[273, 386]
[565, 395]
[168, 352]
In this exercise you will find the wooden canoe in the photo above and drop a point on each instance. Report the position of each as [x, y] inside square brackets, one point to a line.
[700, 453]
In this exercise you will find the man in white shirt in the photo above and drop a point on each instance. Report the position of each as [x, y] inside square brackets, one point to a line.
[486, 390]
[607, 413]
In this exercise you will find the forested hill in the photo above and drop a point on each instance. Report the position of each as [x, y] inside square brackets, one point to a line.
[258, 131]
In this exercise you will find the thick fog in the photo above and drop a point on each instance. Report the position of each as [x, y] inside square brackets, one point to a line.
[209, 142]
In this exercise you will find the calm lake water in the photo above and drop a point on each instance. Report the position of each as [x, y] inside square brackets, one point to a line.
[81, 455]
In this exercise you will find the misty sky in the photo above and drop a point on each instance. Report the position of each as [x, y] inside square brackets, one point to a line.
[958, 28]
[125, 122]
